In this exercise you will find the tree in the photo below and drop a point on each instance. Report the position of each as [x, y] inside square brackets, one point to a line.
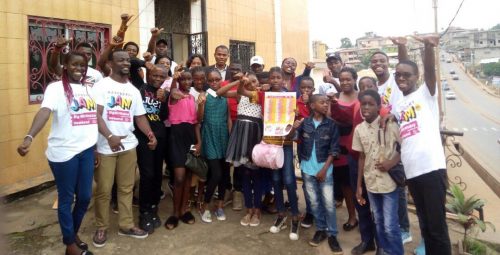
[491, 69]
[345, 43]
[497, 26]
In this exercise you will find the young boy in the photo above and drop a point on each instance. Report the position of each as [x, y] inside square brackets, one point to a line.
[377, 154]
[421, 149]
[319, 138]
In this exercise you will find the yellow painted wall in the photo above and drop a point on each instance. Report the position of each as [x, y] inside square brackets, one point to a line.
[253, 21]
[295, 31]
[18, 173]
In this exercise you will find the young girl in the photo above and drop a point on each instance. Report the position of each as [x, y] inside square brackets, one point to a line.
[196, 60]
[245, 134]
[213, 114]
[345, 102]
[167, 63]
[286, 175]
[70, 146]
[185, 131]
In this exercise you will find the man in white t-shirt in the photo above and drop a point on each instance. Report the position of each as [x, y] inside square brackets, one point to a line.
[422, 153]
[93, 76]
[331, 75]
[119, 104]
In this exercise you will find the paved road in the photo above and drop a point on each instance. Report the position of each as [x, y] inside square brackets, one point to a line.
[477, 114]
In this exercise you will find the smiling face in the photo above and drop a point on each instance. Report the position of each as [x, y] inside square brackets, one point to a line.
[75, 66]
[346, 82]
[199, 80]
[196, 62]
[379, 65]
[185, 81]
[164, 61]
[289, 65]
[214, 80]
[120, 64]
[132, 50]
[406, 78]
[369, 108]
[158, 76]
[334, 65]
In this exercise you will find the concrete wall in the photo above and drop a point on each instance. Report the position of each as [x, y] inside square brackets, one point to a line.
[18, 173]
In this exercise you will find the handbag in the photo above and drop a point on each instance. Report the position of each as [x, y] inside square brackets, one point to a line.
[197, 165]
[397, 172]
[268, 155]
[398, 175]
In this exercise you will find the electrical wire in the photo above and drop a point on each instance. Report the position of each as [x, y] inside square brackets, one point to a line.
[449, 25]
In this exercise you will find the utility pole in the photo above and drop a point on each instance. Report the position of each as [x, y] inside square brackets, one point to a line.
[442, 108]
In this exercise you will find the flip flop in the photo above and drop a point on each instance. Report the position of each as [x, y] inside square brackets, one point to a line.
[188, 218]
[82, 245]
[348, 227]
[172, 222]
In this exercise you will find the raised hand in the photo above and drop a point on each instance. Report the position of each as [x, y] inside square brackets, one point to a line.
[297, 123]
[147, 56]
[310, 65]
[305, 98]
[116, 41]
[156, 31]
[431, 40]
[61, 42]
[125, 18]
[398, 40]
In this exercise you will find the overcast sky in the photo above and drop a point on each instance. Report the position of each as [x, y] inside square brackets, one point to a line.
[331, 20]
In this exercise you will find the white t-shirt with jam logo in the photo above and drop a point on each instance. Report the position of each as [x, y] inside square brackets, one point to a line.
[121, 102]
[389, 92]
[418, 117]
[74, 126]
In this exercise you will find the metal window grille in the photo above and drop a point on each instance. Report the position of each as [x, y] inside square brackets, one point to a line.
[242, 51]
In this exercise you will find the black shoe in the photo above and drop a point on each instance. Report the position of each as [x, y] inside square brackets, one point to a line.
[307, 221]
[318, 237]
[146, 222]
[381, 251]
[334, 245]
[363, 247]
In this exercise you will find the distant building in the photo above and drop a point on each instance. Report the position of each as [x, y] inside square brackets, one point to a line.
[472, 46]
[371, 40]
[319, 50]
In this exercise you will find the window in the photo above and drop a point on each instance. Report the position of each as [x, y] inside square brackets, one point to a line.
[42, 33]
[243, 51]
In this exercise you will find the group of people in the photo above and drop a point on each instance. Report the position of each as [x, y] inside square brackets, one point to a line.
[351, 136]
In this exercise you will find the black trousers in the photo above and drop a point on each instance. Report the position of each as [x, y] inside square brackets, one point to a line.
[429, 194]
[217, 179]
[150, 164]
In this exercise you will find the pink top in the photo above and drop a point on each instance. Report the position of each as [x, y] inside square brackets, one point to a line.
[184, 111]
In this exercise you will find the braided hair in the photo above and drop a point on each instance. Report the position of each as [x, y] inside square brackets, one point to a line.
[68, 92]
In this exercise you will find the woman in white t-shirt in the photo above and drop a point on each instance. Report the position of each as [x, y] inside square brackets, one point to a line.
[70, 149]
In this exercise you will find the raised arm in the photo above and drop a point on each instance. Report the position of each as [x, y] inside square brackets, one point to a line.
[429, 60]
[401, 43]
[103, 59]
[54, 64]
[242, 90]
[155, 32]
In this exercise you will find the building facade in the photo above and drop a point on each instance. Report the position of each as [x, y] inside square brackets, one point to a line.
[273, 29]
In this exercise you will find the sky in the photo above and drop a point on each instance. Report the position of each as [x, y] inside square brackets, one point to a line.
[331, 20]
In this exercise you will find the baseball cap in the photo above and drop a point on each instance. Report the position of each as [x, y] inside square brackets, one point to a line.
[257, 60]
[162, 41]
[334, 56]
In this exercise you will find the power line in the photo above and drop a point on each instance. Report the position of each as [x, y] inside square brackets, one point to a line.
[449, 25]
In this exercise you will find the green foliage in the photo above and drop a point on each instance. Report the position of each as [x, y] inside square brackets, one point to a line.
[365, 59]
[345, 43]
[497, 26]
[475, 247]
[464, 207]
[491, 69]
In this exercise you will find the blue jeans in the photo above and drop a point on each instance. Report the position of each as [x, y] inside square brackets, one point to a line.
[286, 177]
[385, 211]
[252, 187]
[74, 183]
[404, 222]
[366, 224]
[320, 196]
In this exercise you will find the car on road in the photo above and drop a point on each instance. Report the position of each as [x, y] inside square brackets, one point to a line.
[454, 77]
[448, 61]
[452, 71]
[450, 95]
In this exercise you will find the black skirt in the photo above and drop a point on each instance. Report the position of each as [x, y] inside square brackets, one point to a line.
[245, 134]
[182, 136]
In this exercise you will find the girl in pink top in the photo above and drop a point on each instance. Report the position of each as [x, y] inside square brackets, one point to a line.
[185, 131]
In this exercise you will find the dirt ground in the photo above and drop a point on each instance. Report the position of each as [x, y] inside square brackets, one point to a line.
[32, 228]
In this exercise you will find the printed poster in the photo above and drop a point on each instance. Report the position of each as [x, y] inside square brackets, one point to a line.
[279, 113]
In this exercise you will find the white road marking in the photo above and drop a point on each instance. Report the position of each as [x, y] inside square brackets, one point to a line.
[465, 129]
[455, 129]
[494, 129]
[474, 129]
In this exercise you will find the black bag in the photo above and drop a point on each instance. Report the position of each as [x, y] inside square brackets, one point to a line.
[398, 175]
[197, 165]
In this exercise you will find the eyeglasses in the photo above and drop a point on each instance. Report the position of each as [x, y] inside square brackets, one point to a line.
[405, 75]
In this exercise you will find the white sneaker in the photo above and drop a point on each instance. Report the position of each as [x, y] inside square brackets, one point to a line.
[206, 216]
[406, 237]
[279, 224]
[294, 231]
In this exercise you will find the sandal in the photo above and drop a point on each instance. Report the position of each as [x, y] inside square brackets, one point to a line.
[348, 227]
[172, 222]
[188, 218]
[82, 245]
